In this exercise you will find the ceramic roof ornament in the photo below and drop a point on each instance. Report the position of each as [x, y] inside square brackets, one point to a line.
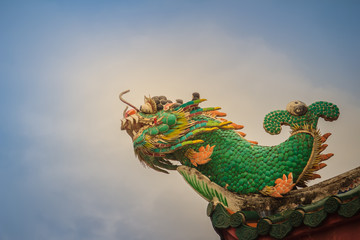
[198, 138]
[216, 159]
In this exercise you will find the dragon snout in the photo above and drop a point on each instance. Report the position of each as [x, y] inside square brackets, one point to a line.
[131, 123]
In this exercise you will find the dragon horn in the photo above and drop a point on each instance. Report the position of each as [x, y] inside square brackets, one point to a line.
[120, 96]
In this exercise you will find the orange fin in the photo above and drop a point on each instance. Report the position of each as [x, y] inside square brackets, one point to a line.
[241, 133]
[322, 147]
[253, 142]
[325, 137]
[319, 166]
[237, 126]
[326, 156]
[314, 176]
[217, 113]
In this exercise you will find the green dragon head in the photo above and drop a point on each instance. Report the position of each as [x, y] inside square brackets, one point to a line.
[160, 127]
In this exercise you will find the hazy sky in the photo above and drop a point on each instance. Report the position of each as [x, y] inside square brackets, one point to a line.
[68, 172]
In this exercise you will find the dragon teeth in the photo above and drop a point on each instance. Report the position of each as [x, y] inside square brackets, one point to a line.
[136, 118]
[130, 119]
[123, 121]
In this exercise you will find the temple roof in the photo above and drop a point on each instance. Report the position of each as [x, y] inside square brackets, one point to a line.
[293, 221]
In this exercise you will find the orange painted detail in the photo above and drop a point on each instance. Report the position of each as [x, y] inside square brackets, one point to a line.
[200, 157]
[323, 147]
[230, 211]
[167, 106]
[326, 156]
[234, 125]
[217, 113]
[252, 224]
[320, 166]
[237, 126]
[325, 137]
[283, 186]
[241, 133]
[130, 112]
[314, 176]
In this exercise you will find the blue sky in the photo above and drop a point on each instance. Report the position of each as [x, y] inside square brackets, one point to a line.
[66, 169]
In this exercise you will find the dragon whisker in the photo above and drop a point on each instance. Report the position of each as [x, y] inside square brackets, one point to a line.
[126, 102]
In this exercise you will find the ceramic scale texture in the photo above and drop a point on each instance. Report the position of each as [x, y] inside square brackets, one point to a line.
[247, 168]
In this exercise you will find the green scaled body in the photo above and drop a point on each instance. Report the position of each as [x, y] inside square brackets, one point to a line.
[247, 168]
[196, 137]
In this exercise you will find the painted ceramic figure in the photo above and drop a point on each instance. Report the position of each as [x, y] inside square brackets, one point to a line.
[165, 133]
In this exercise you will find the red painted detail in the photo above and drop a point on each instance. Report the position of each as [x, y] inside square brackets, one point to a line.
[154, 154]
[130, 112]
[202, 121]
[190, 106]
[229, 234]
[334, 227]
[195, 114]
[161, 145]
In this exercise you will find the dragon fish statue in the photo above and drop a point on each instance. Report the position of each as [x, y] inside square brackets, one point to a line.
[165, 132]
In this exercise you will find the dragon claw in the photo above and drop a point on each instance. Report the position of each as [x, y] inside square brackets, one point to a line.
[200, 157]
[282, 186]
